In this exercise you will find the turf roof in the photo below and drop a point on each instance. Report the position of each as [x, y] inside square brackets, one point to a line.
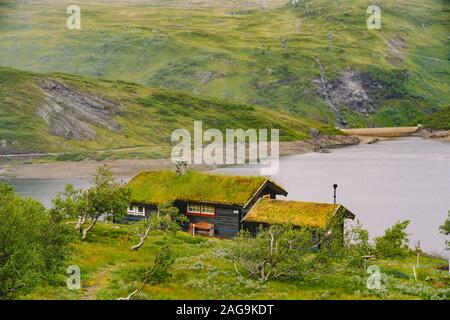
[294, 212]
[158, 187]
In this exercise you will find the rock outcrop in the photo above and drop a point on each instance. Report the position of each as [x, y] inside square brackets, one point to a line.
[352, 89]
[71, 114]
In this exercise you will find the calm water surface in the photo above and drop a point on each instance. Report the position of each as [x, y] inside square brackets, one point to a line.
[407, 178]
[44, 190]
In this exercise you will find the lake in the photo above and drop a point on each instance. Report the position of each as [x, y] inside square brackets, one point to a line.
[405, 178]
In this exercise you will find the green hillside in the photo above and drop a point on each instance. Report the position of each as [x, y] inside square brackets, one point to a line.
[261, 56]
[438, 120]
[65, 113]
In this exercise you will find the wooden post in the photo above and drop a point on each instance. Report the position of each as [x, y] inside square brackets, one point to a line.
[365, 261]
[418, 251]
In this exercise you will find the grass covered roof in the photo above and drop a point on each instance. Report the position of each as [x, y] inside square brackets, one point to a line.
[158, 187]
[297, 213]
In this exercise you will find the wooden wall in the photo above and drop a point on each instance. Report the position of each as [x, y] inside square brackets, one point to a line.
[226, 221]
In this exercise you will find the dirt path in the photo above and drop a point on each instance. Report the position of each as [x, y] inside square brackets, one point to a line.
[99, 281]
[31, 155]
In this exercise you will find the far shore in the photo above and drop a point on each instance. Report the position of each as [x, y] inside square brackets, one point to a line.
[126, 168]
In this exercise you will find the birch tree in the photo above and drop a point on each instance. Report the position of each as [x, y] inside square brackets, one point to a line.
[106, 198]
[160, 271]
[275, 252]
[166, 218]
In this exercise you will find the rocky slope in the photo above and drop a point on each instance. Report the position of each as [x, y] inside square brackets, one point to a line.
[68, 113]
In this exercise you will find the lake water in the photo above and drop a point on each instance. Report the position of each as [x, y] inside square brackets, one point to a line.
[407, 178]
[44, 190]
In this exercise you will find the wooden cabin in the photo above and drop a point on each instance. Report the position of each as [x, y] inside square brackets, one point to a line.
[218, 201]
[323, 217]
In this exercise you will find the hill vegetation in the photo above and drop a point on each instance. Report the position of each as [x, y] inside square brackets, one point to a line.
[438, 120]
[314, 58]
[67, 113]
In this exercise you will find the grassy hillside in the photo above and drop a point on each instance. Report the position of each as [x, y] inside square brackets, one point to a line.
[64, 113]
[439, 120]
[107, 266]
[267, 56]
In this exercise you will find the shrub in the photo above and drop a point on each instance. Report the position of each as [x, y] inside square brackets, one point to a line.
[445, 229]
[394, 243]
[220, 284]
[357, 244]
[35, 243]
[275, 252]
[424, 291]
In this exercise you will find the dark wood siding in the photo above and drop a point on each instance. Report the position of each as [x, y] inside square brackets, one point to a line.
[226, 221]
[149, 209]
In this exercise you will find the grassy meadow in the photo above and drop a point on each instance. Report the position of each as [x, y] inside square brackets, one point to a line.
[264, 56]
[107, 264]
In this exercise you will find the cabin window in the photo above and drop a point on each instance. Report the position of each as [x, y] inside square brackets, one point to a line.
[208, 210]
[194, 208]
[140, 210]
[136, 210]
[201, 209]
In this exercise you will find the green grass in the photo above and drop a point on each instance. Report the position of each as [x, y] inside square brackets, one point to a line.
[146, 119]
[106, 263]
[297, 213]
[439, 120]
[160, 187]
[205, 50]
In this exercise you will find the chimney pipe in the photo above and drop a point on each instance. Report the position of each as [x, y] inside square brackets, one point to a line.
[334, 187]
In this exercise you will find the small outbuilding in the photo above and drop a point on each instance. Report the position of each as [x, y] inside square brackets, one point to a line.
[324, 217]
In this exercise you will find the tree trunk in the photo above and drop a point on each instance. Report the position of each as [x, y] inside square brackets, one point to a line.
[136, 292]
[141, 242]
[86, 230]
[144, 236]
[81, 221]
[131, 295]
